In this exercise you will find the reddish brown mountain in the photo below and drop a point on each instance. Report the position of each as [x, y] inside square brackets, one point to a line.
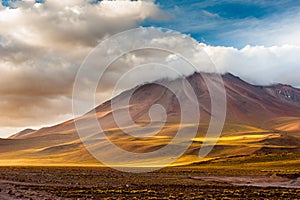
[267, 111]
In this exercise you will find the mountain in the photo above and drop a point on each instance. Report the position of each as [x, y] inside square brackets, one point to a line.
[21, 133]
[260, 119]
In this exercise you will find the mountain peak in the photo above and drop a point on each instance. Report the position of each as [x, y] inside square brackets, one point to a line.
[22, 133]
[260, 110]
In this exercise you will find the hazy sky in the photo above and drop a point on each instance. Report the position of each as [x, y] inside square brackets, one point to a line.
[43, 43]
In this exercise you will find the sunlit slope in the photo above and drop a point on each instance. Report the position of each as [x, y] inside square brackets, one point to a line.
[287, 124]
[51, 149]
[259, 120]
[66, 148]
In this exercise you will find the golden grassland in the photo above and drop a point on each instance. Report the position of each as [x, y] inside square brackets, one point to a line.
[237, 141]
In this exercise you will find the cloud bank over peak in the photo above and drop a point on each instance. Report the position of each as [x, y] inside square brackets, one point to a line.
[259, 65]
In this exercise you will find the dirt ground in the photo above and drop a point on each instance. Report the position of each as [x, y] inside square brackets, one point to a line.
[42, 183]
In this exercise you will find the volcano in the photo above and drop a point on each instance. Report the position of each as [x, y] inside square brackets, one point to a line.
[259, 119]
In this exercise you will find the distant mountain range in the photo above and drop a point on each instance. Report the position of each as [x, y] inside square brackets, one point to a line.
[260, 119]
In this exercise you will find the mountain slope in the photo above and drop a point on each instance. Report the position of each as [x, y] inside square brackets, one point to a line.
[22, 133]
[257, 118]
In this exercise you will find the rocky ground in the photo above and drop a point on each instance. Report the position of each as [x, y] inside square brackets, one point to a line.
[41, 183]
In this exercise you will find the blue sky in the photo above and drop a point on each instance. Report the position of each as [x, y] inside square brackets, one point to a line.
[225, 23]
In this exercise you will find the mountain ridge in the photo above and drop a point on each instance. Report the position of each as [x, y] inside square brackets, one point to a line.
[255, 114]
[277, 87]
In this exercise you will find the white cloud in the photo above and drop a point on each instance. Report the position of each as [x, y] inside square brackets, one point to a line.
[65, 24]
[258, 64]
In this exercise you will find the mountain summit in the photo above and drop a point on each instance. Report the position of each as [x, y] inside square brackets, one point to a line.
[267, 117]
